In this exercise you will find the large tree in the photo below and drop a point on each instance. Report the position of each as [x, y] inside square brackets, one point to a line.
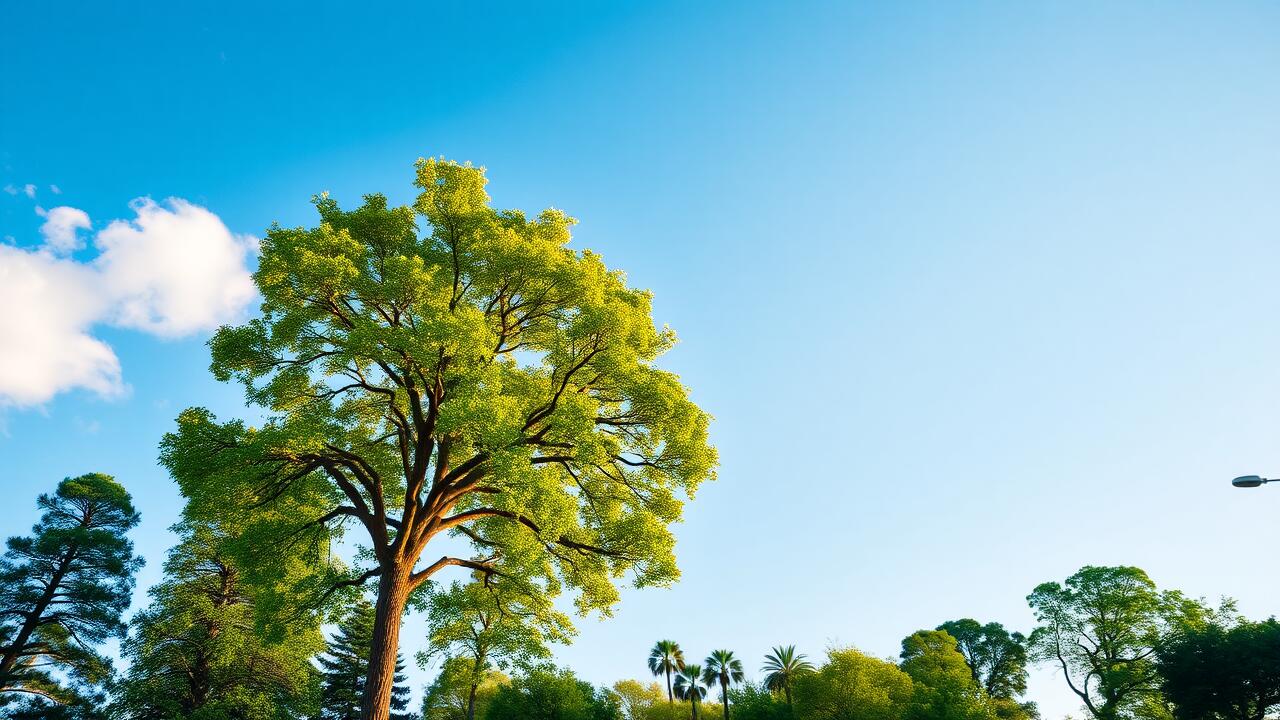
[1103, 628]
[197, 651]
[498, 624]
[996, 657]
[449, 369]
[64, 588]
[344, 667]
[1217, 673]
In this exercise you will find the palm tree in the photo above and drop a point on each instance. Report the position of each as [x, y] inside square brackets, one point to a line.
[724, 668]
[689, 686]
[665, 658]
[782, 666]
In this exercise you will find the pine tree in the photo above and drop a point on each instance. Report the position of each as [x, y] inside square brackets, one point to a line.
[63, 590]
[197, 652]
[345, 664]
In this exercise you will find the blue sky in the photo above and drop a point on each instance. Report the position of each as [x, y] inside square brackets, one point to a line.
[978, 294]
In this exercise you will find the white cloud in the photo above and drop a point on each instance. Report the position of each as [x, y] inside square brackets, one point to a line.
[45, 346]
[11, 189]
[59, 228]
[29, 190]
[55, 189]
[173, 270]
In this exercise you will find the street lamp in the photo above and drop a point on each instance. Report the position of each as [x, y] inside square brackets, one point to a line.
[1252, 481]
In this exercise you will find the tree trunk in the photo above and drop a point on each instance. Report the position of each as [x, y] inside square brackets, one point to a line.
[787, 690]
[670, 698]
[393, 591]
[724, 695]
[471, 702]
[13, 653]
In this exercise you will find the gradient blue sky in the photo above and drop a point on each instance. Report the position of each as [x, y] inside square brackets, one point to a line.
[978, 293]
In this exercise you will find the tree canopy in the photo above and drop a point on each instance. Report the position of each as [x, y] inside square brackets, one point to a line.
[449, 368]
[996, 657]
[63, 590]
[943, 687]
[1102, 628]
[549, 694]
[853, 686]
[1217, 673]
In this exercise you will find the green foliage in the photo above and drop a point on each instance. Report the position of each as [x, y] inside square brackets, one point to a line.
[345, 664]
[498, 624]
[447, 368]
[1103, 627]
[455, 694]
[853, 686]
[758, 702]
[63, 590]
[548, 694]
[636, 699]
[1216, 673]
[943, 687]
[997, 657]
[195, 653]
[782, 666]
[665, 659]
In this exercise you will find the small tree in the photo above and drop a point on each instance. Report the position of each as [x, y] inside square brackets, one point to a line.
[490, 624]
[691, 686]
[753, 701]
[549, 694]
[196, 651]
[452, 695]
[345, 664]
[637, 699]
[64, 588]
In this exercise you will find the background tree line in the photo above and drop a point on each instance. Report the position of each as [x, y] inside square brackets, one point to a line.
[217, 644]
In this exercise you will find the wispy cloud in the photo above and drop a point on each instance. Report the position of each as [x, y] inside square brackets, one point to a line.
[29, 189]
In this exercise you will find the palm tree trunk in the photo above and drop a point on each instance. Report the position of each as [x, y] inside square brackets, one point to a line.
[786, 689]
[724, 695]
[670, 698]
